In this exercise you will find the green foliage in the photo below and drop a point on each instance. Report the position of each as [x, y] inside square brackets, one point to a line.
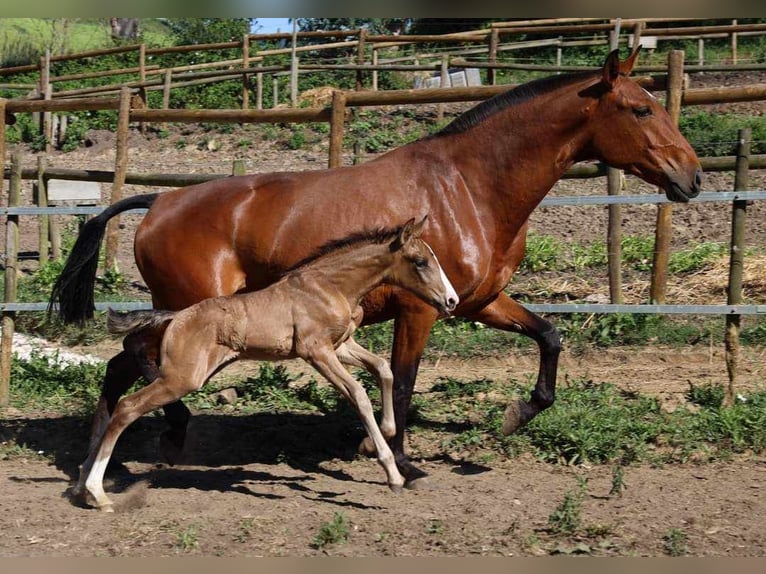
[567, 516]
[707, 395]
[674, 542]
[594, 423]
[543, 253]
[716, 134]
[40, 380]
[335, 531]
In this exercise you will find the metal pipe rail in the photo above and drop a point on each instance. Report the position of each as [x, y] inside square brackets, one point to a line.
[714, 196]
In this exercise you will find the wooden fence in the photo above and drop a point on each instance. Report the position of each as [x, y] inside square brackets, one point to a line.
[131, 108]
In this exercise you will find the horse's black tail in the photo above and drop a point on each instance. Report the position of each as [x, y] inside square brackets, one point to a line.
[72, 293]
[124, 323]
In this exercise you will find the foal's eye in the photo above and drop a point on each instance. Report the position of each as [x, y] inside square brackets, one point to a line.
[642, 111]
[420, 263]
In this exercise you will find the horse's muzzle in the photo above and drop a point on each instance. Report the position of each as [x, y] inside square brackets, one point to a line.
[683, 192]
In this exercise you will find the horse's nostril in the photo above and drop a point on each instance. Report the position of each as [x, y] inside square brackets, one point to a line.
[698, 178]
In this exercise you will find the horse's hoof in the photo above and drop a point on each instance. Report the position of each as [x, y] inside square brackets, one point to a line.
[512, 418]
[367, 447]
[170, 449]
[396, 488]
[419, 483]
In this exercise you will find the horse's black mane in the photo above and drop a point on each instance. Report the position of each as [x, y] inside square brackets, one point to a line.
[514, 96]
[380, 235]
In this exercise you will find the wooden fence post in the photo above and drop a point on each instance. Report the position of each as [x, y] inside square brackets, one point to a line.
[142, 79]
[238, 167]
[11, 276]
[120, 171]
[614, 179]
[46, 92]
[736, 264]
[360, 48]
[275, 91]
[245, 77]
[375, 71]
[494, 41]
[337, 122]
[664, 228]
[41, 198]
[259, 91]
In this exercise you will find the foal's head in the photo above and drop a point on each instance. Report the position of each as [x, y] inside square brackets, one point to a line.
[416, 268]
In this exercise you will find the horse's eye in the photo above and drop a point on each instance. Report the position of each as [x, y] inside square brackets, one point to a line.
[642, 111]
[420, 263]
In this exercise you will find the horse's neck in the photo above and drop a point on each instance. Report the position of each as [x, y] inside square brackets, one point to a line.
[517, 154]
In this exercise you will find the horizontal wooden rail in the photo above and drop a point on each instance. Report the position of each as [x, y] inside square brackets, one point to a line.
[296, 115]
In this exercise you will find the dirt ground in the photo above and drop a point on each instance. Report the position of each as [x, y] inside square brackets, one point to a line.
[263, 485]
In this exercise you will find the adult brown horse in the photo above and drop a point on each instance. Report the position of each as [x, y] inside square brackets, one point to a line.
[478, 179]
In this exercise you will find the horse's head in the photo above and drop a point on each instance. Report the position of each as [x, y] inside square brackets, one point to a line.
[416, 268]
[633, 131]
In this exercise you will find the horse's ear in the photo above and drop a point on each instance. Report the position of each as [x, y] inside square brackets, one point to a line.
[626, 67]
[611, 68]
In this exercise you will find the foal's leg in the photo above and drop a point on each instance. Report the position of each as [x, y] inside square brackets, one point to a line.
[156, 394]
[353, 354]
[505, 313]
[121, 372]
[145, 348]
[330, 367]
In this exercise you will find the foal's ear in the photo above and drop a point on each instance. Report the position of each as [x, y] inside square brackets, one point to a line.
[410, 230]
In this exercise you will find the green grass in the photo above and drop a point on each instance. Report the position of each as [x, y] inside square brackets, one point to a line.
[336, 531]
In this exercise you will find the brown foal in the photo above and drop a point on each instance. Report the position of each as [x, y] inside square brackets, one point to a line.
[310, 313]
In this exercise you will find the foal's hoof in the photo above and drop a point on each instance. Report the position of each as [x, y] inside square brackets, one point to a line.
[106, 507]
[513, 418]
[367, 447]
[396, 488]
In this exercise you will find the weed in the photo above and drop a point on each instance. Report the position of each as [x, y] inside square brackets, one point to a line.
[618, 481]
[674, 542]
[42, 380]
[245, 531]
[334, 532]
[184, 539]
[543, 253]
[435, 526]
[567, 516]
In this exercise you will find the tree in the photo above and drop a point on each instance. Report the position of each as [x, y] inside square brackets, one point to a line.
[208, 30]
[373, 25]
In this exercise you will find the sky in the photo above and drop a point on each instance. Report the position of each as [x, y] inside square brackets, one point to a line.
[269, 25]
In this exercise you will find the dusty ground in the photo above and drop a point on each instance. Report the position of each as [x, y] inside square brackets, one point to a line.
[263, 485]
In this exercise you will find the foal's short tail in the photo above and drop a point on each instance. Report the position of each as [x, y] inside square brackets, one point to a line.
[73, 291]
[124, 323]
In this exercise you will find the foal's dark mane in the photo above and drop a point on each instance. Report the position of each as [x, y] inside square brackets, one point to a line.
[378, 236]
[512, 97]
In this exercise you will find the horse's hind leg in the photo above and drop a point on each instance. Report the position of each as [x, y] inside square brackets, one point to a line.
[505, 313]
[145, 346]
[353, 354]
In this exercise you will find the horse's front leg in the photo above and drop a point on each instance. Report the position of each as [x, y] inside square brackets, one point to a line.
[505, 313]
[411, 330]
